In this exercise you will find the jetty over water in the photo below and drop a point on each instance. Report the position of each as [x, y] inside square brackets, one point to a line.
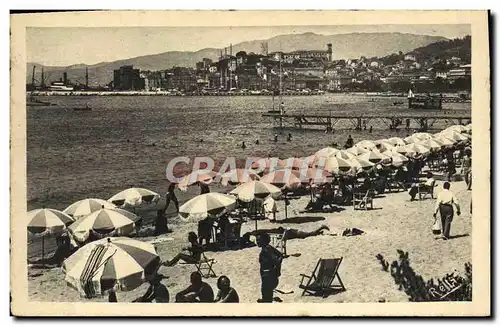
[422, 121]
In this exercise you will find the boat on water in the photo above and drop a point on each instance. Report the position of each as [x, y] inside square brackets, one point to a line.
[31, 101]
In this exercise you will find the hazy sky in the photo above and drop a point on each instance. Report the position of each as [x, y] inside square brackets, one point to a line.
[67, 46]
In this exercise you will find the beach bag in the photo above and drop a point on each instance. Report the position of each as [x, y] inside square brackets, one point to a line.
[436, 227]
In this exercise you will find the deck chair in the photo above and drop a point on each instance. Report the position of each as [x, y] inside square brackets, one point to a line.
[362, 200]
[322, 278]
[278, 241]
[204, 266]
[424, 191]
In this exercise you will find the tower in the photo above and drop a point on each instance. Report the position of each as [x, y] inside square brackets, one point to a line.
[264, 48]
[86, 77]
[330, 51]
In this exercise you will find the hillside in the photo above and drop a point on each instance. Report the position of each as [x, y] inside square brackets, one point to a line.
[351, 45]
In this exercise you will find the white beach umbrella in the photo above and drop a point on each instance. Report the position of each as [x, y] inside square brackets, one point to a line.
[396, 141]
[134, 197]
[455, 136]
[87, 206]
[367, 144]
[404, 150]
[336, 165]
[255, 189]
[358, 164]
[357, 150]
[119, 263]
[457, 128]
[384, 146]
[196, 177]
[443, 141]
[421, 136]
[431, 143]
[238, 176]
[104, 222]
[398, 159]
[344, 154]
[374, 156]
[327, 152]
[207, 205]
[282, 178]
[419, 149]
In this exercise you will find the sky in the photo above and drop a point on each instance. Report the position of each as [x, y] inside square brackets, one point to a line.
[91, 45]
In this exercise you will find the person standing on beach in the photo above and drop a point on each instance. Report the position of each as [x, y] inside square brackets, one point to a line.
[444, 205]
[466, 167]
[171, 197]
[270, 260]
[204, 188]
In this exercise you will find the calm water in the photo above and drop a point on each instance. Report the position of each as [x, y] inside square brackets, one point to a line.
[78, 154]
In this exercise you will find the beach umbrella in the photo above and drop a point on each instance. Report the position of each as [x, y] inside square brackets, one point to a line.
[374, 156]
[87, 206]
[335, 165]
[120, 263]
[443, 141]
[367, 144]
[396, 141]
[358, 164]
[384, 146]
[134, 197]
[196, 177]
[397, 159]
[421, 136]
[47, 221]
[327, 152]
[343, 154]
[319, 176]
[403, 150]
[457, 128]
[248, 191]
[207, 205]
[418, 149]
[282, 178]
[431, 143]
[454, 136]
[357, 150]
[238, 176]
[106, 221]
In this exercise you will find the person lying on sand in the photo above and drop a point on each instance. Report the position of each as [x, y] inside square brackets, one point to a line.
[226, 293]
[156, 292]
[297, 234]
[195, 252]
[198, 291]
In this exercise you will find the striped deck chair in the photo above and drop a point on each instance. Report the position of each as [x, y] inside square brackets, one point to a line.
[322, 278]
[278, 241]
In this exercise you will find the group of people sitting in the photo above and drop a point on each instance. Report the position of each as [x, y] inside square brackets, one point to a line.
[197, 291]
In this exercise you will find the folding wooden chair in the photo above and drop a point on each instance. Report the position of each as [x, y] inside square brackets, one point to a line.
[278, 241]
[361, 201]
[322, 278]
[426, 190]
[204, 266]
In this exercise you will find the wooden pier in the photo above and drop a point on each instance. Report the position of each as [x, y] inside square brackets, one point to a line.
[359, 122]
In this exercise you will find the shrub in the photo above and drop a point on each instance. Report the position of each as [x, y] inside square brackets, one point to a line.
[451, 287]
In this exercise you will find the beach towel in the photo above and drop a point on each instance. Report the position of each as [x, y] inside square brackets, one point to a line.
[89, 287]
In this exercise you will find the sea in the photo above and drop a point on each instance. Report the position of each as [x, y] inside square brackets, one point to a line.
[127, 141]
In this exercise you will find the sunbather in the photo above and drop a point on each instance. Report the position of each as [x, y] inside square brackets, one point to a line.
[195, 252]
[197, 291]
[297, 234]
[226, 293]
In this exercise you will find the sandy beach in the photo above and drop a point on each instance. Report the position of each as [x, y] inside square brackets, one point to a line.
[395, 223]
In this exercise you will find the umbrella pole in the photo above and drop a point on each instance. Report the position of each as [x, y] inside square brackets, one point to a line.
[43, 248]
[286, 208]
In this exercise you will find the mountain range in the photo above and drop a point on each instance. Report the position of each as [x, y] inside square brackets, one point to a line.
[345, 46]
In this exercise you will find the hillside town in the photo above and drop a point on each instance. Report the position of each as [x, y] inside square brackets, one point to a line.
[304, 71]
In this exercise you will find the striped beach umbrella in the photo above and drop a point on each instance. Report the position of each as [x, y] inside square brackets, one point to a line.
[87, 206]
[358, 164]
[327, 152]
[134, 197]
[207, 205]
[357, 150]
[367, 144]
[119, 263]
[47, 221]
[255, 189]
[238, 176]
[106, 221]
[318, 176]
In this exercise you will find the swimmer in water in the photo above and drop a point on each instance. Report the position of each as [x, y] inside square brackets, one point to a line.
[275, 138]
[257, 142]
[243, 146]
[289, 137]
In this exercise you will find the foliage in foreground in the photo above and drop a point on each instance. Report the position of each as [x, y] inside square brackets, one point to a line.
[451, 287]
